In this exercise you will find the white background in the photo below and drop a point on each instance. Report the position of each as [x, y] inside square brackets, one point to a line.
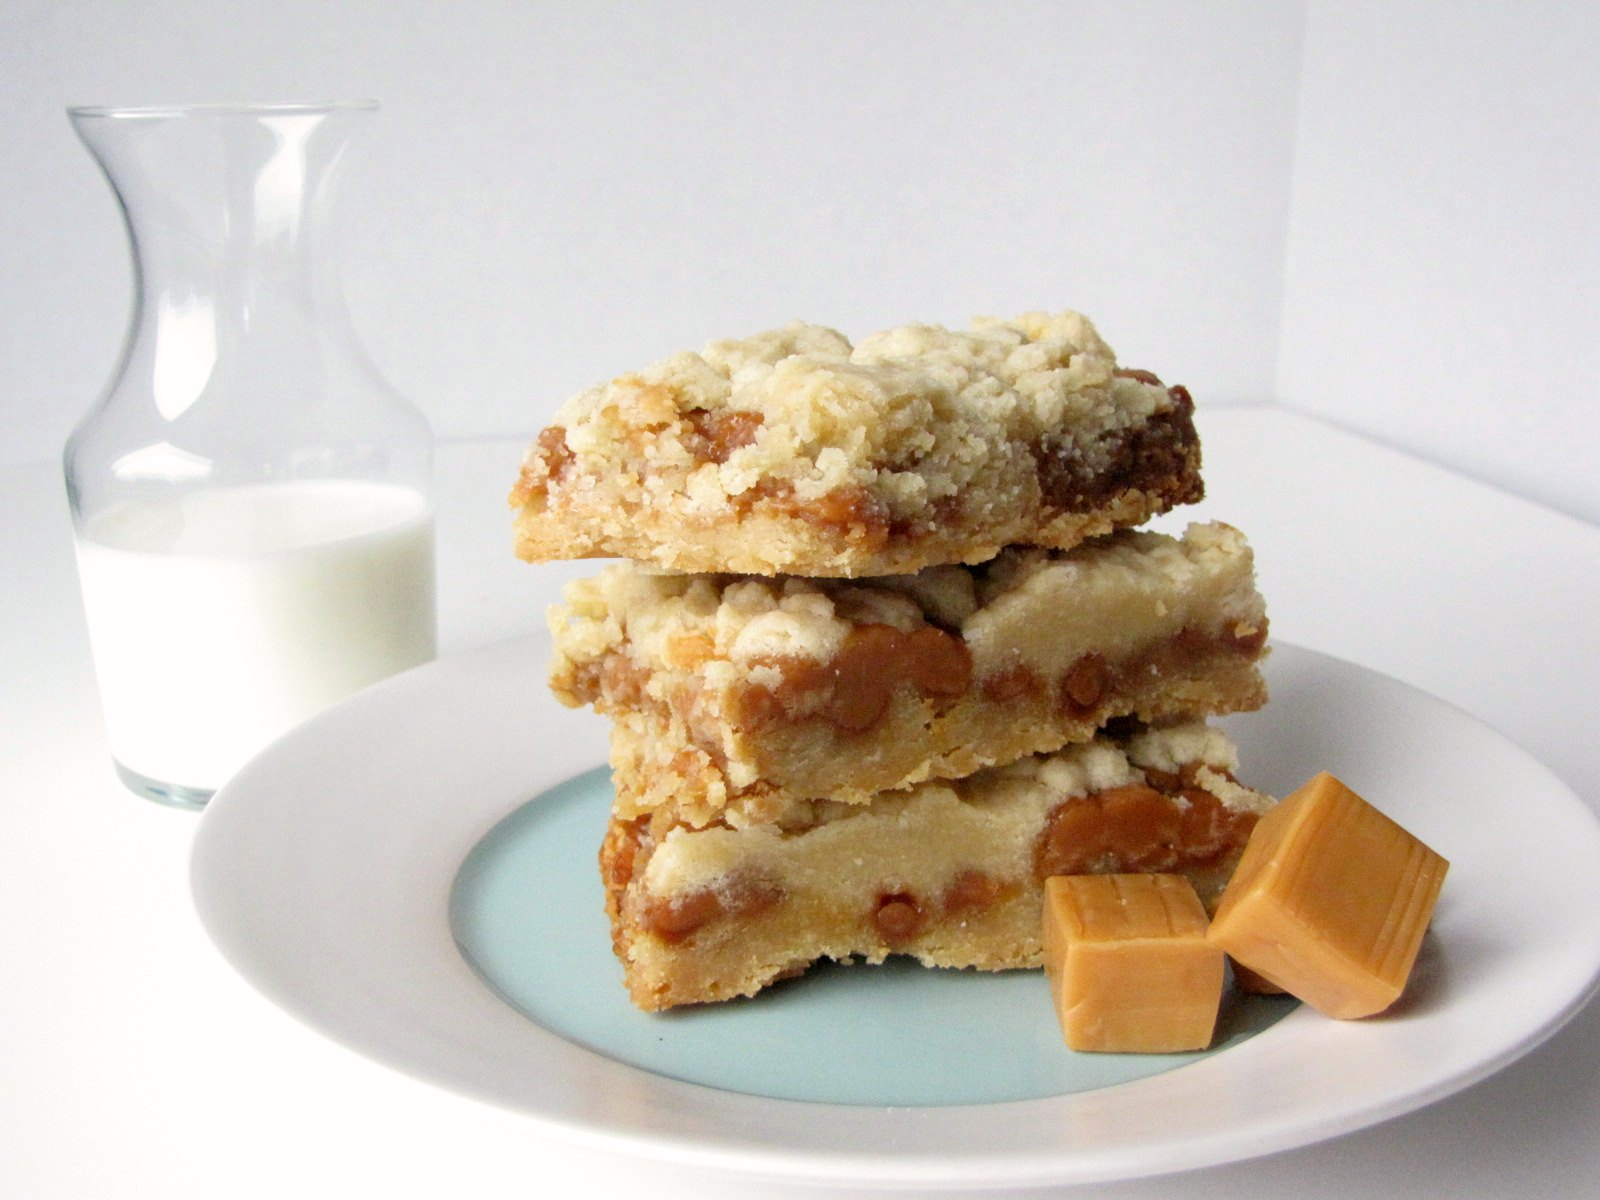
[1384, 213]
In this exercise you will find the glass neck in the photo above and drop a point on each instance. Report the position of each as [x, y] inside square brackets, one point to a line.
[227, 207]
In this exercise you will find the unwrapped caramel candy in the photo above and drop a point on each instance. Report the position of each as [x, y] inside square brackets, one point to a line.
[1330, 901]
[1251, 984]
[1129, 966]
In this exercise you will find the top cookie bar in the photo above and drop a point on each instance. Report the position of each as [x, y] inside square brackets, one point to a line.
[792, 452]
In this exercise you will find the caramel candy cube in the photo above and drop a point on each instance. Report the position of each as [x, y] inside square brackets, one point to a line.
[1252, 984]
[1330, 901]
[1129, 966]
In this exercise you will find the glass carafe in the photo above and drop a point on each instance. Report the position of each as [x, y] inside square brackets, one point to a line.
[250, 498]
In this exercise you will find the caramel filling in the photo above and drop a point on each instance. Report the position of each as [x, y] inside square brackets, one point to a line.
[714, 436]
[974, 891]
[853, 690]
[1010, 684]
[674, 918]
[547, 465]
[1084, 685]
[1154, 826]
[1160, 457]
[625, 851]
[851, 515]
[898, 918]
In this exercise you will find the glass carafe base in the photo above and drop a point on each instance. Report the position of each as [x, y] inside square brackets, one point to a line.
[173, 794]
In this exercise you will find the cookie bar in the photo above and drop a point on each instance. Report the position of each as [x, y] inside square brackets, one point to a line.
[794, 452]
[735, 697]
[951, 873]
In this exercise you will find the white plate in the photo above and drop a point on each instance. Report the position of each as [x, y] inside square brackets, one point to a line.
[324, 873]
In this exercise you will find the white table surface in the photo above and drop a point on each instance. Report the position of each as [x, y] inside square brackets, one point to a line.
[135, 1063]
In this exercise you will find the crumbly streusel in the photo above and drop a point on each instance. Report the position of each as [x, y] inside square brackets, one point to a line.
[793, 452]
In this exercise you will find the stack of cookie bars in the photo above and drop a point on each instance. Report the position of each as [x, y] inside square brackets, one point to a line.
[888, 650]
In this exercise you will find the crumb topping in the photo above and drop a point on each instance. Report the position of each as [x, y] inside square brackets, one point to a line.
[911, 416]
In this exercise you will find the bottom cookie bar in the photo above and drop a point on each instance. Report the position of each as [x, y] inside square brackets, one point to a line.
[951, 872]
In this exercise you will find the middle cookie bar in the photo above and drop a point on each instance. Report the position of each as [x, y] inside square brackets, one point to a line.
[736, 699]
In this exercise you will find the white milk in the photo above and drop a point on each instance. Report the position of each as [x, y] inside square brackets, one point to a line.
[222, 618]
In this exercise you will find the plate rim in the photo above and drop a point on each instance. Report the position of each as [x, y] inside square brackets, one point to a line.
[1035, 1166]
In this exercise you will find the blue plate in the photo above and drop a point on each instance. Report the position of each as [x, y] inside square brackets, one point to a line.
[528, 913]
